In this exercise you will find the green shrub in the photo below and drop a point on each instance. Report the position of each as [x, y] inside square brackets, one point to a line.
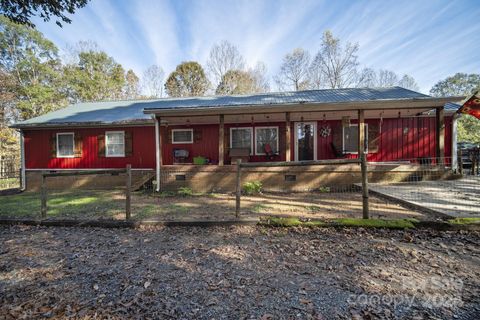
[185, 192]
[253, 187]
[324, 189]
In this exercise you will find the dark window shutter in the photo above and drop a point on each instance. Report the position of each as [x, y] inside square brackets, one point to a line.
[197, 135]
[128, 144]
[373, 137]
[337, 139]
[282, 131]
[226, 142]
[101, 145]
[169, 136]
[53, 145]
[78, 147]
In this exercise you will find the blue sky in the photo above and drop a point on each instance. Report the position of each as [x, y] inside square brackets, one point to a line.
[428, 39]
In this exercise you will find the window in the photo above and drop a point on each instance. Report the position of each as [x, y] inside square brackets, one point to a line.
[65, 145]
[182, 136]
[241, 138]
[115, 143]
[264, 136]
[350, 138]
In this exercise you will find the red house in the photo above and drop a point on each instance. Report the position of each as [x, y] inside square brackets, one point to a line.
[191, 141]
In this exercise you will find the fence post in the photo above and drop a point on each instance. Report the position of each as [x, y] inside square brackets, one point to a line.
[43, 196]
[128, 192]
[238, 189]
[363, 165]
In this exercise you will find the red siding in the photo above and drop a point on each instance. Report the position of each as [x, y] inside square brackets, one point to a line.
[38, 150]
[394, 144]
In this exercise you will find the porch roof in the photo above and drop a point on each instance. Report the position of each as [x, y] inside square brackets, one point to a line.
[133, 112]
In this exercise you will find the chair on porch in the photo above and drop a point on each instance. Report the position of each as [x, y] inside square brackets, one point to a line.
[336, 152]
[269, 152]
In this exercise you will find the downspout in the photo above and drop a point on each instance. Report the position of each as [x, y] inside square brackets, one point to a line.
[23, 183]
[157, 152]
[454, 143]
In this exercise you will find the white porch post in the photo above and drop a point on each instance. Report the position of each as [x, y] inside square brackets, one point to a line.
[158, 152]
[23, 185]
[454, 143]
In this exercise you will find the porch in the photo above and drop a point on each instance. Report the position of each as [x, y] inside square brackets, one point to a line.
[195, 150]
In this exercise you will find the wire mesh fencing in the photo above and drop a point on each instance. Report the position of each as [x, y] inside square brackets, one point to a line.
[9, 173]
[432, 189]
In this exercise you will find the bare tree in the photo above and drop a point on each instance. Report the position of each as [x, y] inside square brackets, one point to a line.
[387, 78]
[259, 75]
[224, 56]
[294, 71]
[408, 82]
[366, 78]
[152, 81]
[72, 52]
[337, 64]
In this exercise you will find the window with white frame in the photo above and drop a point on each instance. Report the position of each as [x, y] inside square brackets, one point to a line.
[266, 136]
[350, 138]
[241, 138]
[65, 145]
[115, 144]
[182, 136]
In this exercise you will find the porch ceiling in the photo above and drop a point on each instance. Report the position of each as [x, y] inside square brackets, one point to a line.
[294, 116]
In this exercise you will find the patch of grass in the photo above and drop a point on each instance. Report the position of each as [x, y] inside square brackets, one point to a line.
[347, 222]
[81, 204]
[375, 223]
[313, 208]
[9, 183]
[258, 207]
[185, 192]
[252, 187]
[463, 221]
[177, 208]
[292, 222]
[324, 189]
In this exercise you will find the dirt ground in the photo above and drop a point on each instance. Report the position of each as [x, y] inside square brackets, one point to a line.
[238, 273]
[312, 205]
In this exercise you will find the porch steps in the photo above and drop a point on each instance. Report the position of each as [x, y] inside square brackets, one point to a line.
[143, 180]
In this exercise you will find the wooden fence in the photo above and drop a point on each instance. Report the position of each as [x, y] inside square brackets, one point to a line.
[362, 162]
[128, 185]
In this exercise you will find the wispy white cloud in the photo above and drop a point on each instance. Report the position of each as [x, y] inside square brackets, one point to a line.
[427, 39]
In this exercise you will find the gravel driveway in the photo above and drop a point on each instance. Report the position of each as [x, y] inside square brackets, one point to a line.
[238, 273]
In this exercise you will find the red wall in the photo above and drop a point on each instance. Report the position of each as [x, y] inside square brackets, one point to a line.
[38, 149]
[419, 142]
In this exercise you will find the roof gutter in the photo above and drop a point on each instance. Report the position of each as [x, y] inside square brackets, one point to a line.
[307, 107]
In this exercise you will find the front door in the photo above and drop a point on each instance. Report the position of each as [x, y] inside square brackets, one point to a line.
[305, 141]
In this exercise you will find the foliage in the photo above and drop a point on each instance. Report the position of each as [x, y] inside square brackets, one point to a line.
[224, 57]
[463, 221]
[461, 84]
[236, 82]
[252, 187]
[457, 85]
[22, 11]
[96, 77]
[185, 192]
[294, 71]
[324, 189]
[32, 61]
[152, 81]
[187, 80]
[132, 85]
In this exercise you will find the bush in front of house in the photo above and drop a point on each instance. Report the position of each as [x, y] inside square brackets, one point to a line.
[185, 192]
[252, 187]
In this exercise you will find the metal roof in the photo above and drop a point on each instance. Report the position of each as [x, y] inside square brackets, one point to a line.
[450, 106]
[132, 111]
